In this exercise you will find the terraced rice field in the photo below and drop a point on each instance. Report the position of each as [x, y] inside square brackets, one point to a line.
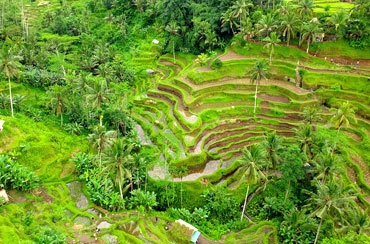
[205, 117]
[332, 5]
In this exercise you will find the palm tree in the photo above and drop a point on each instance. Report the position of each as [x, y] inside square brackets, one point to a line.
[182, 171]
[331, 199]
[326, 165]
[305, 7]
[266, 25]
[100, 139]
[117, 161]
[311, 115]
[339, 19]
[241, 9]
[356, 220]
[9, 65]
[310, 31]
[227, 18]
[304, 137]
[259, 72]
[58, 100]
[97, 94]
[172, 28]
[272, 41]
[273, 145]
[288, 26]
[343, 116]
[252, 162]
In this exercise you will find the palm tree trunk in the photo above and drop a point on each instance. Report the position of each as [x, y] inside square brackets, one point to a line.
[271, 56]
[286, 193]
[120, 190]
[318, 231]
[245, 202]
[308, 45]
[273, 4]
[11, 98]
[61, 119]
[181, 193]
[255, 98]
[173, 50]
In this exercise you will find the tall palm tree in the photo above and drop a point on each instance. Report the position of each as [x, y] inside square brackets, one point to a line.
[9, 65]
[181, 171]
[331, 200]
[241, 9]
[259, 72]
[173, 29]
[304, 137]
[339, 19]
[326, 165]
[272, 41]
[58, 100]
[343, 116]
[273, 145]
[305, 7]
[310, 31]
[311, 115]
[97, 94]
[100, 139]
[266, 25]
[227, 19]
[118, 161]
[288, 26]
[252, 163]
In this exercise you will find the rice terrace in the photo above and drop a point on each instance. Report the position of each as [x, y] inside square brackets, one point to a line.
[194, 121]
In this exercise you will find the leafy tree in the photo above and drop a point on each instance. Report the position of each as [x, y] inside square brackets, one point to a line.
[101, 139]
[252, 162]
[344, 115]
[173, 29]
[58, 100]
[9, 65]
[272, 41]
[331, 199]
[258, 72]
[228, 19]
[292, 167]
[148, 200]
[118, 161]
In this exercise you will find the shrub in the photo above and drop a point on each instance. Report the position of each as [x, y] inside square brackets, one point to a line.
[48, 235]
[217, 64]
[83, 162]
[15, 176]
[148, 200]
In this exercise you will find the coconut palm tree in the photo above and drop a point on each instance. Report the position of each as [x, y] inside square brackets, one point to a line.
[326, 165]
[241, 9]
[259, 72]
[58, 100]
[343, 116]
[9, 66]
[288, 26]
[304, 137]
[330, 199]
[173, 29]
[100, 139]
[305, 7]
[311, 115]
[266, 25]
[117, 161]
[181, 171]
[228, 19]
[272, 41]
[356, 220]
[273, 145]
[252, 163]
[310, 31]
[339, 19]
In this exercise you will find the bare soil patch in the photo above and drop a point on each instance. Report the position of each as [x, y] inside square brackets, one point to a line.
[354, 136]
[231, 55]
[351, 174]
[274, 98]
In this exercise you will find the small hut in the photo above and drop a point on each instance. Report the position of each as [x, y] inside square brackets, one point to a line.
[192, 232]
